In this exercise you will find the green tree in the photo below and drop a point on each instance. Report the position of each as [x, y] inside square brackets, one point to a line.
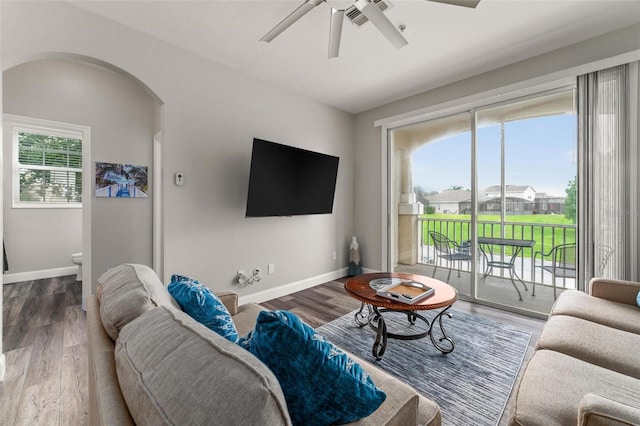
[570, 201]
[421, 195]
[454, 187]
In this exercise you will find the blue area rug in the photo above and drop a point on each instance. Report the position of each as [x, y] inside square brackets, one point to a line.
[471, 384]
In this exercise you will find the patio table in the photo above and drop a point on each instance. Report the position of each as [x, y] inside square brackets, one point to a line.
[486, 248]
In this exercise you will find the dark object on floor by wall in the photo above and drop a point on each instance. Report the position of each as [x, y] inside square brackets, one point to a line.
[5, 262]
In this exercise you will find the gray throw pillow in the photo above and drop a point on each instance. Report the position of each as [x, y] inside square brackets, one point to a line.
[174, 370]
[128, 291]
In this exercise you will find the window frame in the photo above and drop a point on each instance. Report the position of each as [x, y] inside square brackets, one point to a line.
[20, 124]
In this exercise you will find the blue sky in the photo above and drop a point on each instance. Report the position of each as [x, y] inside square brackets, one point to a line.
[540, 152]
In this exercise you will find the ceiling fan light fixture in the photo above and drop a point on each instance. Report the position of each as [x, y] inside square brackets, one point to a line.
[358, 13]
[357, 18]
[302, 10]
[381, 22]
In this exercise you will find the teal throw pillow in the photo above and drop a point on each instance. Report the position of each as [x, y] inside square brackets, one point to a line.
[321, 384]
[638, 299]
[201, 304]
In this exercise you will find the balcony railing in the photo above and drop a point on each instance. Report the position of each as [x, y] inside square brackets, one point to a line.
[546, 236]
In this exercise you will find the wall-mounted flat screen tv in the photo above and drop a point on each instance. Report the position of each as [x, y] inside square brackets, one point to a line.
[289, 181]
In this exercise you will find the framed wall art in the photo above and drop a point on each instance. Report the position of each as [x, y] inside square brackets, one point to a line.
[121, 181]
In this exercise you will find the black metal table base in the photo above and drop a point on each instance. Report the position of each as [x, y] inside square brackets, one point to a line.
[373, 317]
[510, 265]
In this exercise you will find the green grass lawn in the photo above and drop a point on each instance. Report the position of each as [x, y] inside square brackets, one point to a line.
[524, 227]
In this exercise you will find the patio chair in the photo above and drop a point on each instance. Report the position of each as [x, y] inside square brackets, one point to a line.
[562, 264]
[450, 251]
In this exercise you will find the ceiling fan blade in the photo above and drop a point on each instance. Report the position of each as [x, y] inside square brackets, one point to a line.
[302, 10]
[335, 32]
[466, 3]
[384, 25]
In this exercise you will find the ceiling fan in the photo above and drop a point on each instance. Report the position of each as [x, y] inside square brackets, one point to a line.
[360, 12]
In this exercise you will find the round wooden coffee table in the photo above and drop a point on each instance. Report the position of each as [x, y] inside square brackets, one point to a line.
[360, 288]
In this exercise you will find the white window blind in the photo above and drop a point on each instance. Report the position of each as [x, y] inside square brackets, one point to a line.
[47, 164]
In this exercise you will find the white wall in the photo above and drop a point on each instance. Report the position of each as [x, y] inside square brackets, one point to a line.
[120, 115]
[210, 115]
[563, 63]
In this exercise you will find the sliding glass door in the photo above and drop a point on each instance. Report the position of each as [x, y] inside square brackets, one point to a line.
[486, 199]
[432, 184]
[526, 223]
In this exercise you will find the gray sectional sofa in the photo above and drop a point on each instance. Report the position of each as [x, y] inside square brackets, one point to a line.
[586, 367]
[150, 363]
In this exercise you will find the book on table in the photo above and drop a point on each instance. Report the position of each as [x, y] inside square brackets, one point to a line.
[409, 292]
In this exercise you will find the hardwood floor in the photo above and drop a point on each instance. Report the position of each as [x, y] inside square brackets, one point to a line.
[44, 332]
[44, 342]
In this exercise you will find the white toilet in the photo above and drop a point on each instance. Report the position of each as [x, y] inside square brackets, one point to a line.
[76, 259]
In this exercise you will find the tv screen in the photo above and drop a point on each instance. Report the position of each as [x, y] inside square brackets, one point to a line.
[288, 181]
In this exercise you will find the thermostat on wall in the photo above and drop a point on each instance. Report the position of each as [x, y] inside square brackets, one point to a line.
[179, 179]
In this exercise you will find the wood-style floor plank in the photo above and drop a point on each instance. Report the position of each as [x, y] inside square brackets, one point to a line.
[46, 355]
[318, 305]
[40, 404]
[74, 392]
[17, 363]
[57, 286]
[14, 298]
[10, 316]
[74, 326]
[45, 383]
[73, 292]
[52, 309]
[19, 335]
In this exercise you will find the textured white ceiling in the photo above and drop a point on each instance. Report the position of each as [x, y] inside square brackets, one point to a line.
[446, 43]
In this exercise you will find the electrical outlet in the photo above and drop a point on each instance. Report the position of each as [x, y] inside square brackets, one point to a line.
[335, 255]
[179, 178]
[272, 268]
[256, 271]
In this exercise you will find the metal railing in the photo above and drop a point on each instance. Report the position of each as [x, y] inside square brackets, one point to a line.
[545, 235]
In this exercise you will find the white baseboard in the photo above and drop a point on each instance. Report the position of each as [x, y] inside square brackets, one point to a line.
[2, 367]
[38, 275]
[283, 290]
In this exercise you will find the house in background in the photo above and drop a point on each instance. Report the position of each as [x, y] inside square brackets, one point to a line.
[525, 192]
[455, 201]
[519, 199]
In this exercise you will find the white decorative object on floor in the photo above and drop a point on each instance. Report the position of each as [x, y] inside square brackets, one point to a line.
[354, 258]
[76, 259]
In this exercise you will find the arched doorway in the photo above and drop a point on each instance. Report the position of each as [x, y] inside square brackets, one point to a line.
[126, 127]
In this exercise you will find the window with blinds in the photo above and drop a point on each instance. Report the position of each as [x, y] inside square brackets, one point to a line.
[47, 166]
